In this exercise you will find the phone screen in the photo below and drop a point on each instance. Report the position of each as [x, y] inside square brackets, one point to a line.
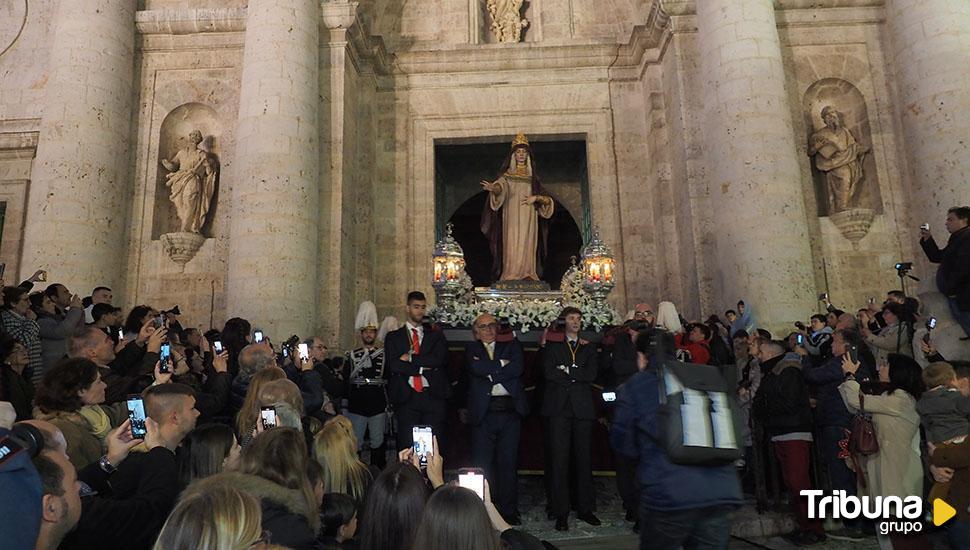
[121, 334]
[473, 479]
[931, 324]
[286, 351]
[304, 352]
[164, 356]
[423, 443]
[217, 345]
[136, 413]
[609, 396]
[268, 416]
[258, 336]
[800, 339]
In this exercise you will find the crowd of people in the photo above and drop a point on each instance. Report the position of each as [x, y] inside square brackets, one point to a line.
[248, 443]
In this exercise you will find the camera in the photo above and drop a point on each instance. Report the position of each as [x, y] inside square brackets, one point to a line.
[22, 437]
[925, 227]
[904, 266]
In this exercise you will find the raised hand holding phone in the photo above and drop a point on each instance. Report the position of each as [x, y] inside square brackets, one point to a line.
[436, 465]
[120, 442]
[162, 377]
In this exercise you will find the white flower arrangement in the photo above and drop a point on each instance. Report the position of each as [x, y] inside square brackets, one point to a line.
[527, 314]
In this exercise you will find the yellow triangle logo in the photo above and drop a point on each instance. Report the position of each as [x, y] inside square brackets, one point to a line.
[942, 512]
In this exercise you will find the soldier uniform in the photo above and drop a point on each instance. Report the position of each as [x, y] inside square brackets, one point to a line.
[363, 370]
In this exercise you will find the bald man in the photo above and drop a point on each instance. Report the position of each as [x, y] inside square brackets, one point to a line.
[496, 406]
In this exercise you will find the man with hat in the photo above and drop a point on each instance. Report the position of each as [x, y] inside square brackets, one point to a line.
[364, 373]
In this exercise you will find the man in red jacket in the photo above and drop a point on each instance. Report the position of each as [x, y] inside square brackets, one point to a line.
[698, 343]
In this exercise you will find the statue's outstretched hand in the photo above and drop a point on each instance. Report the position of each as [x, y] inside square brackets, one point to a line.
[530, 200]
[489, 186]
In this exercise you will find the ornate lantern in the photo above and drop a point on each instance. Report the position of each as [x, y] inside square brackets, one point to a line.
[599, 268]
[449, 265]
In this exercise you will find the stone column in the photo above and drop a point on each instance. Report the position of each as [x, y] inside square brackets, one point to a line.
[931, 46]
[76, 224]
[273, 229]
[755, 191]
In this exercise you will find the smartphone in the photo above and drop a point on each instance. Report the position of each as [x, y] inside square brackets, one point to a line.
[136, 413]
[853, 353]
[304, 352]
[423, 443]
[609, 396]
[268, 416]
[925, 227]
[258, 336]
[931, 323]
[159, 321]
[872, 300]
[823, 297]
[217, 345]
[164, 356]
[800, 339]
[474, 479]
[286, 351]
[121, 334]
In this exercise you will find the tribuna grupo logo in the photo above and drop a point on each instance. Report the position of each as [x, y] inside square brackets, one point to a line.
[893, 514]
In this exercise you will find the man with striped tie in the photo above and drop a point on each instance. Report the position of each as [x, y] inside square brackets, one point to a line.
[418, 386]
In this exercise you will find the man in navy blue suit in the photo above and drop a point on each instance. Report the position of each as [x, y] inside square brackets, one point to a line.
[496, 406]
[418, 385]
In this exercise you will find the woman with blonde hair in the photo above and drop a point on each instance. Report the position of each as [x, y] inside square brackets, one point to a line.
[249, 412]
[335, 448]
[215, 515]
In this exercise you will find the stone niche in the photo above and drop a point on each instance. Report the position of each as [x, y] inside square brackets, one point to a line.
[173, 136]
[847, 100]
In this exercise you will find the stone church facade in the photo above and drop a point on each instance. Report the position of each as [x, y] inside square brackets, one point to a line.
[698, 118]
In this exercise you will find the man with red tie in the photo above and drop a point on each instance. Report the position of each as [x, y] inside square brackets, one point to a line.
[418, 386]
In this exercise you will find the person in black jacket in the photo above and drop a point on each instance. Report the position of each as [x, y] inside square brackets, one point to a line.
[781, 405]
[953, 275]
[496, 406]
[273, 469]
[418, 384]
[570, 367]
[104, 520]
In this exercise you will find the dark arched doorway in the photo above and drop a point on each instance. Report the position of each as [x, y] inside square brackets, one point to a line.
[565, 241]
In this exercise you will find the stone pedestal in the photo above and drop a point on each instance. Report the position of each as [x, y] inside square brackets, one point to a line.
[931, 46]
[80, 185]
[181, 247]
[763, 253]
[273, 231]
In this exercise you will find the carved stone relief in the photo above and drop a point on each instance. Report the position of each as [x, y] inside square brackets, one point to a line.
[839, 143]
[507, 21]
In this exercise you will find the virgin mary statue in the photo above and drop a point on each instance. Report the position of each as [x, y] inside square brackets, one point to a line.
[515, 217]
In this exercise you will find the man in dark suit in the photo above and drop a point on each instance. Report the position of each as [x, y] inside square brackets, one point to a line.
[496, 406]
[570, 367]
[418, 385]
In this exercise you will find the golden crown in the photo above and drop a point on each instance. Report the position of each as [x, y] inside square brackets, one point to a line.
[520, 139]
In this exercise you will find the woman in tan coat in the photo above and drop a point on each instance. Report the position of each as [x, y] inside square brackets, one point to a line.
[896, 469]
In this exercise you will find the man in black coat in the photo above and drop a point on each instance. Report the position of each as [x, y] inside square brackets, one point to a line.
[496, 407]
[570, 367]
[418, 384]
[781, 405]
[953, 275]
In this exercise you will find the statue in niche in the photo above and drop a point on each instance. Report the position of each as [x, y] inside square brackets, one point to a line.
[515, 217]
[839, 156]
[507, 21]
[191, 182]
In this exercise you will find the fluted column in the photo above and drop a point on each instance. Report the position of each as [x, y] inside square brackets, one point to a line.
[763, 254]
[931, 47]
[80, 182]
[273, 229]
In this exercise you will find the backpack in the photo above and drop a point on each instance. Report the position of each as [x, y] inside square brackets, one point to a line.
[699, 416]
